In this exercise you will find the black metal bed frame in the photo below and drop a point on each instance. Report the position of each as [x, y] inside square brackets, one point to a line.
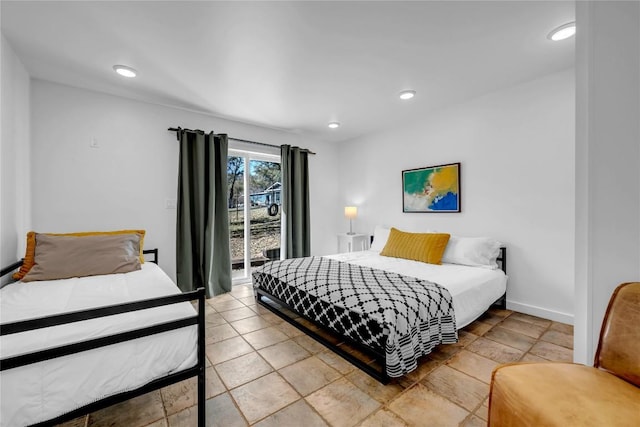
[378, 356]
[77, 316]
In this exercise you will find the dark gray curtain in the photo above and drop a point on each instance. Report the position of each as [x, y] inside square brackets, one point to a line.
[203, 257]
[294, 167]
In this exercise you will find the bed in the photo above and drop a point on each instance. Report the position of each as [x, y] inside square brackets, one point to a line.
[75, 345]
[394, 310]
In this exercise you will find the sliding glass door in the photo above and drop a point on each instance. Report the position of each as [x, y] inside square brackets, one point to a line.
[254, 211]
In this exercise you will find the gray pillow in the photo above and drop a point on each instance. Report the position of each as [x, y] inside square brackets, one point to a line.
[62, 257]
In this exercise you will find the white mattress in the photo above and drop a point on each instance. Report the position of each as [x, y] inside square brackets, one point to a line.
[473, 289]
[45, 390]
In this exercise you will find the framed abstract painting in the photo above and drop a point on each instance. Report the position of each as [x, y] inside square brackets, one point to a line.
[431, 189]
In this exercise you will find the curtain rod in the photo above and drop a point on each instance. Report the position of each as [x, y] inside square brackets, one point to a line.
[235, 139]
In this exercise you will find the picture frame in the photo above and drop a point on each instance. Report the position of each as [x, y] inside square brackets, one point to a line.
[432, 189]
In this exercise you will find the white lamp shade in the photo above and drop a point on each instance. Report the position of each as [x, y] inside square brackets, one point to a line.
[351, 212]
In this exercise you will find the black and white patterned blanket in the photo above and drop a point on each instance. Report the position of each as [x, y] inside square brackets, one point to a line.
[366, 305]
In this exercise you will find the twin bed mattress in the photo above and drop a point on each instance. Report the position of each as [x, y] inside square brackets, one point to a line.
[44, 390]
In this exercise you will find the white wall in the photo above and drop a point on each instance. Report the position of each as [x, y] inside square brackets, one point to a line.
[124, 183]
[607, 161]
[516, 151]
[14, 156]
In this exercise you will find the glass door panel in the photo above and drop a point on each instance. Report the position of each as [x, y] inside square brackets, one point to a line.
[265, 202]
[236, 205]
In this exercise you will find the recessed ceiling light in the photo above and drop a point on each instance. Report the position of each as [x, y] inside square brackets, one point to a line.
[562, 32]
[125, 71]
[334, 125]
[407, 94]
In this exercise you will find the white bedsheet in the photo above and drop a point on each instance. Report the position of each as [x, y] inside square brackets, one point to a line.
[45, 390]
[473, 289]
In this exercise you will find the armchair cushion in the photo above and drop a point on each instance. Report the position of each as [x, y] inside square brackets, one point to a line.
[561, 394]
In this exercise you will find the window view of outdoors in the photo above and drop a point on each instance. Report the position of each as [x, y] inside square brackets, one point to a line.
[264, 211]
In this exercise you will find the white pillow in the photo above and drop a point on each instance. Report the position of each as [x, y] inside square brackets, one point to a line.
[472, 251]
[380, 237]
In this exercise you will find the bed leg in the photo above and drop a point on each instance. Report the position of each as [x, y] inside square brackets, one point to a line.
[201, 363]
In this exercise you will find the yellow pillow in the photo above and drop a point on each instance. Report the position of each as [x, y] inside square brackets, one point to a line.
[29, 257]
[425, 247]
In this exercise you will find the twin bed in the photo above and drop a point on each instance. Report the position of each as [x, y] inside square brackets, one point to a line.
[75, 345]
[71, 346]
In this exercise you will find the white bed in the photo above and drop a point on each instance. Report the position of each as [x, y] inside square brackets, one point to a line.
[473, 289]
[45, 390]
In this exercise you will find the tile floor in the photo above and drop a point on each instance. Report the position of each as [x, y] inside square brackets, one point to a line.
[264, 372]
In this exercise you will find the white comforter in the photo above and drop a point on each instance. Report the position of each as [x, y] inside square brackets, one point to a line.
[473, 289]
[45, 390]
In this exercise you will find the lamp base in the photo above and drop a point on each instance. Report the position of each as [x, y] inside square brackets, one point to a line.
[350, 233]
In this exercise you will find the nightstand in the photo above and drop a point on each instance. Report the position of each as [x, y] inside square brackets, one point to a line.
[352, 242]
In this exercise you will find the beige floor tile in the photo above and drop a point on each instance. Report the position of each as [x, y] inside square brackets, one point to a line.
[213, 319]
[495, 350]
[478, 328]
[420, 406]
[473, 364]
[526, 328]
[289, 330]
[510, 338]
[242, 291]
[227, 305]
[532, 358]
[552, 352]
[465, 338]
[159, 423]
[491, 318]
[294, 415]
[531, 319]
[237, 314]
[561, 327]
[383, 418]
[137, 412]
[248, 301]
[425, 366]
[242, 369]
[268, 316]
[184, 394]
[264, 396]
[284, 353]
[219, 412]
[483, 411]
[265, 337]
[459, 388]
[219, 333]
[311, 345]
[474, 421]
[342, 404]
[445, 352]
[381, 392]
[335, 361]
[308, 375]
[227, 296]
[226, 350]
[500, 312]
[558, 338]
[250, 324]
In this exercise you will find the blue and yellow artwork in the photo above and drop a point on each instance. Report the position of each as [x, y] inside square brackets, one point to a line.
[431, 189]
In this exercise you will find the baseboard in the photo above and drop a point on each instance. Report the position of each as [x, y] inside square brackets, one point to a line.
[540, 312]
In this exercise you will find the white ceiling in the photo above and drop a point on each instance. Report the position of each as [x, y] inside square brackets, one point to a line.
[292, 65]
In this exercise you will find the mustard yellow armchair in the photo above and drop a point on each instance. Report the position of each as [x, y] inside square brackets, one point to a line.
[569, 394]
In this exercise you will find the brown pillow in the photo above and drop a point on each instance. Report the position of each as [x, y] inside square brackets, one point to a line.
[28, 260]
[62, 257]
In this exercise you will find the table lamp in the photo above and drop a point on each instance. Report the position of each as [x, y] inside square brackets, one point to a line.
[351, 212]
